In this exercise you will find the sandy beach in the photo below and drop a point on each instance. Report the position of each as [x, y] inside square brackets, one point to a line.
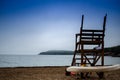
[48, 73]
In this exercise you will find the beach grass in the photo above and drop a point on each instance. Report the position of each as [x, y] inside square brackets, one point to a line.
[48, 73]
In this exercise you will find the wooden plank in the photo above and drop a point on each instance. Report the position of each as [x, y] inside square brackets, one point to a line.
[90, 34]
[96, 38]
[88, 51]
[91, 30]
[89, 42]
[80, 63]
[84, 58]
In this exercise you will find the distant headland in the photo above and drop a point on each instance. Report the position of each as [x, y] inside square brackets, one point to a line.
[57, 52]
[110, 51]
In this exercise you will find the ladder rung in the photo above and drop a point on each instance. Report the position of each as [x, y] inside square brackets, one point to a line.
[78, 58]
[80, 63]
[84, 58]
[90, 34]
[90, 38]
[88, 51]
[89, 42]
[77, 63]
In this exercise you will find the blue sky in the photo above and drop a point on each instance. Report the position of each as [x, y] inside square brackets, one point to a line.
[33, 26]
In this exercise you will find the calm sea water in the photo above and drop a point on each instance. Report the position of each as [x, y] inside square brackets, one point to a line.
[44, 60]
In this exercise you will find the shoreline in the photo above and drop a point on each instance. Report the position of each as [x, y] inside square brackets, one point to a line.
[33, 67]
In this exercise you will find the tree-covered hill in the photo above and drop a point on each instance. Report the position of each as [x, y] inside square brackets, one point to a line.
[110, 51]
[113, 51]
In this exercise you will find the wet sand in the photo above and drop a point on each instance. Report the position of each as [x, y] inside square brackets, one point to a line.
[48, 73]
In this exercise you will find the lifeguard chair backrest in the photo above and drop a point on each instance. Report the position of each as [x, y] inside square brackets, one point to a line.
[91, 34]
[104, 22]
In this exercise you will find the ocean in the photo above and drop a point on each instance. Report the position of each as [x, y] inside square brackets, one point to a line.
[44, 60]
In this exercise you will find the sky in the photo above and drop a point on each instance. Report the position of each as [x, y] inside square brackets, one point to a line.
[34, 26]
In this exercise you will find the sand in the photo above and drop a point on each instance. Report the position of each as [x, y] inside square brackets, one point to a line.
[48, 73]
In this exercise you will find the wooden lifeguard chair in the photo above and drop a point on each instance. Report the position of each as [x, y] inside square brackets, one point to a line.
[89, 42]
